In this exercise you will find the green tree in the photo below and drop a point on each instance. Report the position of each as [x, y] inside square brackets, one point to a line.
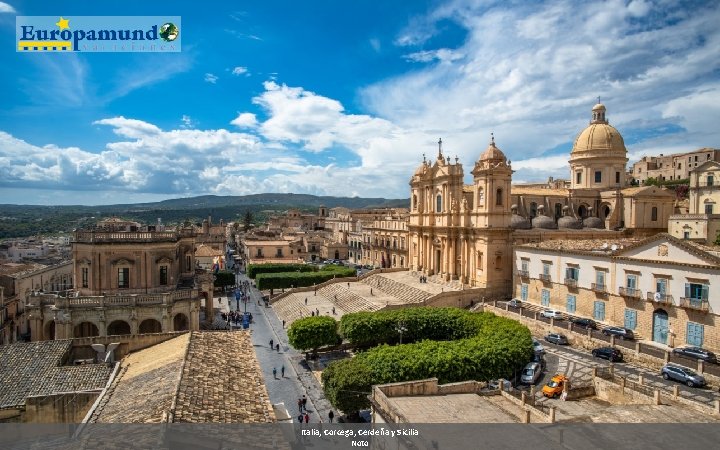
[717, 239]
[347, 384]
[651, 181]
[312, 333]
[247, 220]
[224, 278]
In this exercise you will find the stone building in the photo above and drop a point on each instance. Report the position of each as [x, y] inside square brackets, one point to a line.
[459, 232]
[386, 242]
[702, 221]
[659, 287]
[672, 167]
[126, 282]
[295, 218]
[18, 282]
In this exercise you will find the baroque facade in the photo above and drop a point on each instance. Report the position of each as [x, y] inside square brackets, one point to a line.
[126, 282]
[702, 222]
[465, 232]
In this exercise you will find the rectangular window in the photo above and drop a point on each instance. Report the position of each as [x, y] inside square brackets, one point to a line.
[599, 311]
[279, 253]
[124, 278]
[686, 235]
[259, 252]
[163, 275]
[661, 285]
[570, 304]
[631, 282]
[600, 278]
[709, 208]
[617, 177]
[578, 177]
[524, 265]
[546, 269]
[572, 273]
[545, 297]
[710, 180]
[188, 263]
[630, 319]
[695, 334]
[598, 176]
[524, 292]
[696, 291]
[84, 271]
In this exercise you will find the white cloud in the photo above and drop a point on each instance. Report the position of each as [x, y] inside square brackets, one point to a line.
[211, 78]
[6, 8]
[239, 70]
[245, 120]
[187, 122]
[442, 55]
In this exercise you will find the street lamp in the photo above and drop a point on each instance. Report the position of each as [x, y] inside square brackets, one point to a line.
[401, 328]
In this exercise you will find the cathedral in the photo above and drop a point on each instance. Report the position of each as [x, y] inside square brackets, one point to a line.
[466, 232]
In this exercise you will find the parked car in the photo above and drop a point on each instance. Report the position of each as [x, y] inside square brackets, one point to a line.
[557, 339]
[531, 373]
[538, 347]
[585, 323]
[683, 375]
[609, 353]
[552, 314]
[555, 386]
[515, 303]
[622, 333]
[495, 384]
[696, 353]
[539, 358]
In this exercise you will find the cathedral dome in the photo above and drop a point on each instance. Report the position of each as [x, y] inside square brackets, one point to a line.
[599, 137]
[517, 221]
[567, 221]
[492, 153]
[543, 221]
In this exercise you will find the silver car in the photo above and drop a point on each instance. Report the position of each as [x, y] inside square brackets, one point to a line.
[538, 347]
[531, 373]
[683, 375]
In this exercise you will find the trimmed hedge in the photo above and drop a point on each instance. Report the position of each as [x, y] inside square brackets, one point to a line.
[492, 347]
[365, 329]
[286, 280]
[311, 333]
[254, 269]
[224, 278]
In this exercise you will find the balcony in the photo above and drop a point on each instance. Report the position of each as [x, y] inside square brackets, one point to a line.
[545, 278]
[629, 292]
[571, 283]
[523, 274]
[601, 288]
[657, 297]
[695, 303]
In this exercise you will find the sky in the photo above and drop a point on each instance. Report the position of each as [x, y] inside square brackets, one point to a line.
[343, 98]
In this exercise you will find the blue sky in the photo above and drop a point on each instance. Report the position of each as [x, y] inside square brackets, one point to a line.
[344, 97]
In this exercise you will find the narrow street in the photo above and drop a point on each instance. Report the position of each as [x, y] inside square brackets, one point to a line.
[298, 379]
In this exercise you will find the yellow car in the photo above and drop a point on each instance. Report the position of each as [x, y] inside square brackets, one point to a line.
[555, 387]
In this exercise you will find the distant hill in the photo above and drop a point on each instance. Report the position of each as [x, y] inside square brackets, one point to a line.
[26, 220]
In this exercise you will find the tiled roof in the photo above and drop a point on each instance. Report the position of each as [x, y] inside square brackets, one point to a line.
[222, 387]
[18, 269]
[145, 386]
[31, 369]
[205, 250]
[585, 245]
[520, 190]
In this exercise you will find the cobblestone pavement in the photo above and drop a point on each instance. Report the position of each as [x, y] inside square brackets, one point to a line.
[299, 379]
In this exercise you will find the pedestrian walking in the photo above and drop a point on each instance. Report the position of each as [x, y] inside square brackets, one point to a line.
[300, 405]
[274, 372]
[331, 416]
[300, 418]
[282, 371]
[277, 347]
[304, 402]
[307, 417]
[317, 312]
[283, 324]
[312, 313]
[348, 284]
[333, 310]
[271, 344]
[306, 300]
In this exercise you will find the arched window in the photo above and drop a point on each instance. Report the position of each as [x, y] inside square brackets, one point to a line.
[582, 210]
[414, 202]
[481, 197]
[499, 197]
[653, 214]
[533, 209]
[439, 204]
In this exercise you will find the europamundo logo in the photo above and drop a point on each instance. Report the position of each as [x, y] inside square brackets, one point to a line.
[98, 34]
